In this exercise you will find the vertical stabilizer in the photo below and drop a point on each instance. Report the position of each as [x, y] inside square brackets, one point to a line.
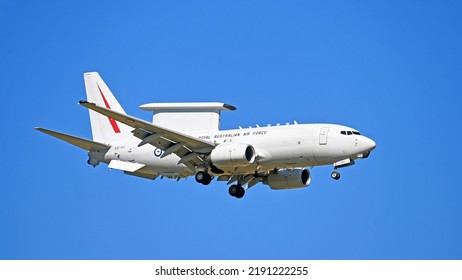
[104, 129]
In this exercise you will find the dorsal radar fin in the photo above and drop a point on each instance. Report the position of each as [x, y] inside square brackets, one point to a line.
[188, 117]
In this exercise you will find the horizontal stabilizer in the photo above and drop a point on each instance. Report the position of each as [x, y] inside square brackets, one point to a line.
[76, 141]
[125, 165]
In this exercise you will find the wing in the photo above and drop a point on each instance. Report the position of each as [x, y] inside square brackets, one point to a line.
[188, 148]
[76, 141]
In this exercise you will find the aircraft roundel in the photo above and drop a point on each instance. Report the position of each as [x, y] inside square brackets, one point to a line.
[157, 152]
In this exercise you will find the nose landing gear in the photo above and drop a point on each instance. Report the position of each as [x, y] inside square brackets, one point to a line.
[335, 175]
[340, 164]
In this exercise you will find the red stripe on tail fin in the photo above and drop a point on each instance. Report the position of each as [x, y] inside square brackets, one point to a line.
[111, 120]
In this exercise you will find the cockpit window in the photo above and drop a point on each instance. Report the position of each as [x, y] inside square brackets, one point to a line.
[343, 132]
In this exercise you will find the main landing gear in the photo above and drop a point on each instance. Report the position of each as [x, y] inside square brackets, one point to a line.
[237, 191]
[203, 178]
[335, 175]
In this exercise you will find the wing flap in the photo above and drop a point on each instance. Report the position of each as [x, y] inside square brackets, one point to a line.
[141, 174]
[76, 141]
[155, 139]
[125, 165]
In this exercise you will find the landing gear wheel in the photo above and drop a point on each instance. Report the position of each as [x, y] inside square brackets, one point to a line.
[207, 180]
[203, 178]
[236, 191]
[200, 176]
[240, 193]
[335, 175]
[233, 190]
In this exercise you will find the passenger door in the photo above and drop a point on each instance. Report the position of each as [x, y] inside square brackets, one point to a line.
[323, 136]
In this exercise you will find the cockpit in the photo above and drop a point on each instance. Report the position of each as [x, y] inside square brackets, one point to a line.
[351, 132]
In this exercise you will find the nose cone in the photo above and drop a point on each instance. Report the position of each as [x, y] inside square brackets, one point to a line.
[368, 144]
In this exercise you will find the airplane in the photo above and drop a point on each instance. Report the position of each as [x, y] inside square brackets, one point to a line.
[184, 139]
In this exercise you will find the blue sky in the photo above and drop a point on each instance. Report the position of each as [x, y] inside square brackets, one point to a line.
[391, 69]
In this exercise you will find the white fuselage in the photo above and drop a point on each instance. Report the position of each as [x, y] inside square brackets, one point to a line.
[193, 145]
[285, 146]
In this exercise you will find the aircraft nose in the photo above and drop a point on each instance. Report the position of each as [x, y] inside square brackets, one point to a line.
[368, 144]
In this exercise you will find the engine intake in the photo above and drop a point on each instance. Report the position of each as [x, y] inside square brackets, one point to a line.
[288, 179]
[233, 155]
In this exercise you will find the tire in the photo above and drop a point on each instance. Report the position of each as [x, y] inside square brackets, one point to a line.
[335, 175]
[233, 190]
[207, 180]
[240, 192]
[201, 177]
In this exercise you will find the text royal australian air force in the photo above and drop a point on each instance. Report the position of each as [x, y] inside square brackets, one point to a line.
[232, 135]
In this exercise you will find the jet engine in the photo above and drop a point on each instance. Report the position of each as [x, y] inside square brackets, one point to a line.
[288, 179]
[232, 155]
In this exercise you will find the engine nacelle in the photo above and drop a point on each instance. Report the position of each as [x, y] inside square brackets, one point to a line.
[232, 155]
[288, 179]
